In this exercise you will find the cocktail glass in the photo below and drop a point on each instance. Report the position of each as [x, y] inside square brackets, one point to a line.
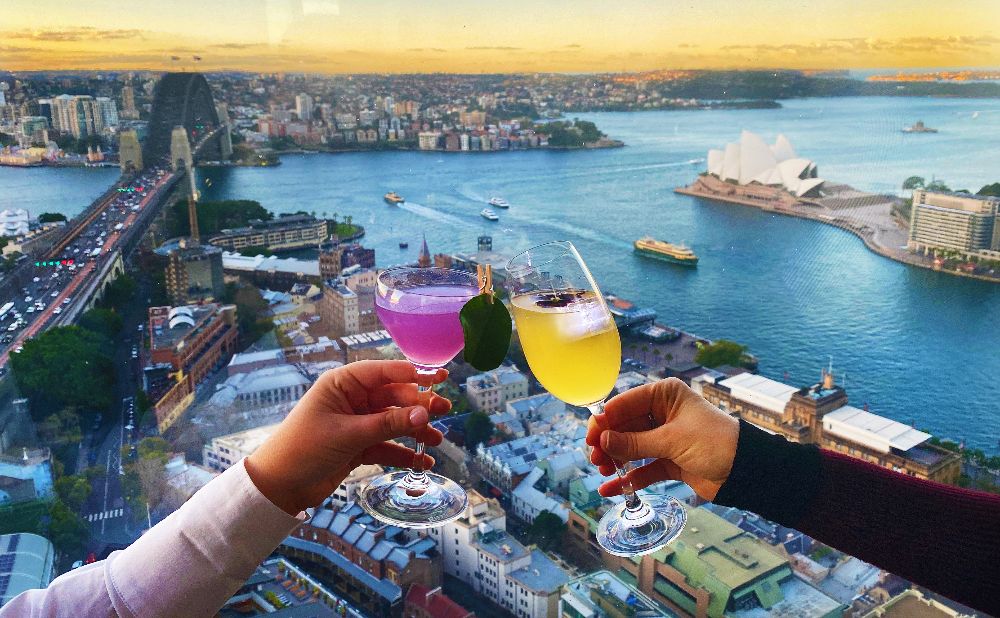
[419, 307]
[571, 343]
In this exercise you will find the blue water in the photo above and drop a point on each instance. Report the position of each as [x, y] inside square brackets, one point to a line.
[917, 346]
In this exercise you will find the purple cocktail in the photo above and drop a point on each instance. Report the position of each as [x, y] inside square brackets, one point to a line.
[424, 322]
[419, 307]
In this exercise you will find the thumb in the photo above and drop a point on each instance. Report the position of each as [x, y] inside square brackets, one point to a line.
[631, 445]
[394, 423]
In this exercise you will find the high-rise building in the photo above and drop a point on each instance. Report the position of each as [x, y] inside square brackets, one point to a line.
[34, 129]
[304, 106]
[79, 116]
[107, 111]
[128, 103]
[194, 273]
[954, 222]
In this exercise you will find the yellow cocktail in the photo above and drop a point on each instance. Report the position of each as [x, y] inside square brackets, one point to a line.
[571, 342]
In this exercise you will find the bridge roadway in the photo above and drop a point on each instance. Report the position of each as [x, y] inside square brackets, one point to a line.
[96, 228]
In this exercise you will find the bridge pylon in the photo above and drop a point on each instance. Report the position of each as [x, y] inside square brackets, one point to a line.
[180, 149]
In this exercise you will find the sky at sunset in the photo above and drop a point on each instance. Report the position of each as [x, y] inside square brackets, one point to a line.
[346, 36]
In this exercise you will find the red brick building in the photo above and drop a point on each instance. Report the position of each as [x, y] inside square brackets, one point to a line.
[424, 602]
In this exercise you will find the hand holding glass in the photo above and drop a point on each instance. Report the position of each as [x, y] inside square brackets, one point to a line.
[419, 307]
[571, 342]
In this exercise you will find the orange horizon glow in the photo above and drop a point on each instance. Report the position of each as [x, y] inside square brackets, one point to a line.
[387, 36]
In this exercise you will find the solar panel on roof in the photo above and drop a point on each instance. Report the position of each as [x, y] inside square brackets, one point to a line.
[6, 563]
[14, 540]
[4, 581]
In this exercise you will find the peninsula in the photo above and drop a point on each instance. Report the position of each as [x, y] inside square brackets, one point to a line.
[775, 179]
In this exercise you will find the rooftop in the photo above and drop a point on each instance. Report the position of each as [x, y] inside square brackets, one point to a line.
[583, 595]
[171, 325]
[542, 575]
[435, 602]
[246, 441]
[732, 556]
[799, 600]
[500, 545]
[760, 391]
[376, 338]
[499, 376]
[246, 358]
[912, 604]
[874, 431]
[271, 264]
[26, 562]
[259, 380]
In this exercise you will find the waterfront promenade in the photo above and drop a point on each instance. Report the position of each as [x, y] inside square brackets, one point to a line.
[866, 215]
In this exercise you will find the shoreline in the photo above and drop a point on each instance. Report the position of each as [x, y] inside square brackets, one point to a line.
[797, 208]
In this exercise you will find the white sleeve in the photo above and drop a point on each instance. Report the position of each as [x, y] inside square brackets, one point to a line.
[189, 564]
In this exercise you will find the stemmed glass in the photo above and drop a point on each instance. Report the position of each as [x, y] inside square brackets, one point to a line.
[419, 307]
[571, 343]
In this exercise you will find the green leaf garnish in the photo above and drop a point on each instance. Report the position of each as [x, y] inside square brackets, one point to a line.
[486, 326]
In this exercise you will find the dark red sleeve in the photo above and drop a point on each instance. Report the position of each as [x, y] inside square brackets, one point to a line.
[939, 536]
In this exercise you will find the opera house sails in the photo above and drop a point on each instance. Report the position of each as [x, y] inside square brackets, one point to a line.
[754, 161]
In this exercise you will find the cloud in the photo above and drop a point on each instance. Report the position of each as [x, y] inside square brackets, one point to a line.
[236, 45]
[573, 46]
[14, 49]
[427, 49]
[858, 45]
[688, 45]
[494, 48]
[82, 33]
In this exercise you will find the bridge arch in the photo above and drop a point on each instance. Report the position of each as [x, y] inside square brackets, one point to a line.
[180, 99]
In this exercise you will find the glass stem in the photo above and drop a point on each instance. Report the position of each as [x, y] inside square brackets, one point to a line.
[424, 399]
[632, 500]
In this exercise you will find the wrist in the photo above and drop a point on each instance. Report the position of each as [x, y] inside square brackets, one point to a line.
[271, 484]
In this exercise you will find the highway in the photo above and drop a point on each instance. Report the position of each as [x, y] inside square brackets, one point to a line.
[58, 278]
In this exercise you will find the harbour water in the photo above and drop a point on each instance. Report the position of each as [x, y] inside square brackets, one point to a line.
[918, 346]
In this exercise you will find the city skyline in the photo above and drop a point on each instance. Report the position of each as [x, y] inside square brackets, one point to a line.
[341, 36]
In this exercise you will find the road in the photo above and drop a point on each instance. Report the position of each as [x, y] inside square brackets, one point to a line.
[58, 280]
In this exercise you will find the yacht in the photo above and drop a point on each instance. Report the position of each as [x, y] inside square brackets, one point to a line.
[489, 215]
[393, 198]
[499, 202]
[919, 127]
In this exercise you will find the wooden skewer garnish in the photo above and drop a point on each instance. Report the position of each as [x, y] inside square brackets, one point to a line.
[485, 276]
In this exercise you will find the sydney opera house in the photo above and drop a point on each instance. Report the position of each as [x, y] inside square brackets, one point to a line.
[752, 161]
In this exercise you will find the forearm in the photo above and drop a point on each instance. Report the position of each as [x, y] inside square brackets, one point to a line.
[936, 535]
[187, 565]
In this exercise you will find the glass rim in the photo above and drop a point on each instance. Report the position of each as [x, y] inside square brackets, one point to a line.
[568, 244]
[395, 269]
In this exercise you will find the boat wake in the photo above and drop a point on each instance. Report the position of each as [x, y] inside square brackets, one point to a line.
[434, 215]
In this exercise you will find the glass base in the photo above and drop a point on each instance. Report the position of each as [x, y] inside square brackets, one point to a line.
[413, 499]
[657, 522]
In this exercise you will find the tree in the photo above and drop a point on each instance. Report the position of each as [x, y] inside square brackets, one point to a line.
[102, 321]
[722, 352]
[73, 491]
[154, 448]
[252, 320]
[937, 185]
[546, 531]
[119, 293]
[65, 367]
[51, 217]
[59, 428]
[993, 189]
[913, 182]
[66, 530]
[478, 429]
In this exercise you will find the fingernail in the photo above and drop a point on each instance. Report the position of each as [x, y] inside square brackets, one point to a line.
[418, 416]
[605, 439]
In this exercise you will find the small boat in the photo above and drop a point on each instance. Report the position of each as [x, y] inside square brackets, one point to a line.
[393, 198]
[499, 202]
[919, 127]
[660, 250]
[404, 245]
[489, 215]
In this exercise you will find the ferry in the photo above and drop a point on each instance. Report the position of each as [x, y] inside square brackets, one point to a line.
[489, 215]
[660, 250]
[404, 245]
[393, 198]
[919, 127]
[499, 202]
